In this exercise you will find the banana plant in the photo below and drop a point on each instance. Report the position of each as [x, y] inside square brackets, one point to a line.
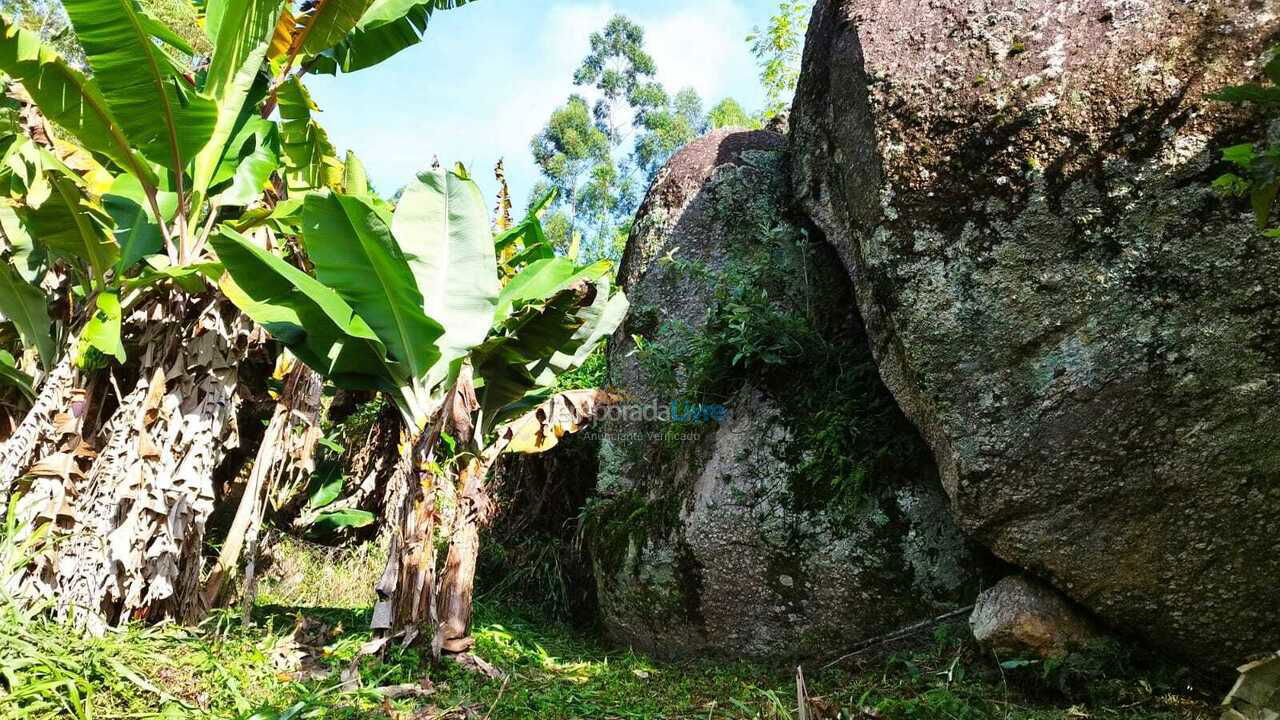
[410, 303]
[349, 35]
[107, 202]
[107, 212]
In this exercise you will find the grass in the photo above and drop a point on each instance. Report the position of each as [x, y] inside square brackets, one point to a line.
[288, 664]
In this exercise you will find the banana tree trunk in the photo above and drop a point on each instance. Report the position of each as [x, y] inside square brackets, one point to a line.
[407, 590]
[457, 583]
[536, 431]
[288, 446]
[407, 593]
[139, 517]
[57, 412]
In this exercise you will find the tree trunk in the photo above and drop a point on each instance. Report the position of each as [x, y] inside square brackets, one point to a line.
[406, 592]
[57, 412]
[457, 583]
[135, 551]
[288, 445]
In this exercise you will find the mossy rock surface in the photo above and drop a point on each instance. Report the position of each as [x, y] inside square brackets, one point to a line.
[1086, 334]
[809, 515]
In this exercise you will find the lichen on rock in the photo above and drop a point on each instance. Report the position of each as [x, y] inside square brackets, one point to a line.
[1086, 334]
[808, 513]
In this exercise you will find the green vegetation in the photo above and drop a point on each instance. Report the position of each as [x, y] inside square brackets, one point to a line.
[600, 157]
[766, 325]
[178, 182]
[173, 211]
[728, 113]
[1256, 164]
[303, 637]
[777, 48]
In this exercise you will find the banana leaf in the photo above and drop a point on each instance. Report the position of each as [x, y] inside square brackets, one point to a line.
[299, 311]
[354, 253]
[151, 98]
[442, 226]
[68, 98]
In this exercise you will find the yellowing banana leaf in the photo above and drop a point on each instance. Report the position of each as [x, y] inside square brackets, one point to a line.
[541, 429]
[96, 177]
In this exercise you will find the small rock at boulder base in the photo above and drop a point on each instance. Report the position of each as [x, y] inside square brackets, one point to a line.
[1020, 617]
[760, 494]
[1085, 332]
[1256, 694]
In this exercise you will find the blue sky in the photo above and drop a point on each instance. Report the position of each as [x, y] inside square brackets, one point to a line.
[486, 77]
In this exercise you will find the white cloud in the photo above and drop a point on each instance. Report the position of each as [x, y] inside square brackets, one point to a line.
[699, 46]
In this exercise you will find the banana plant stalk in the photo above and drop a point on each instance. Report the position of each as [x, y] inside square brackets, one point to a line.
[409, 302]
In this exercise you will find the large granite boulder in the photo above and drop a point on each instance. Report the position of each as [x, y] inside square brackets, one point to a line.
[1087, 336]
[760, 493]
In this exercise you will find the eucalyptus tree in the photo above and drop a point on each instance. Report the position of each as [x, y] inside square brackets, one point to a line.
[777, 48]
[464, 332]
[669, 128]
[600, 157]
[573, 155]
[111, 206]
[728, 113]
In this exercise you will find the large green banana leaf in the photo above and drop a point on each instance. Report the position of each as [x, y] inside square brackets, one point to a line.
[528, 337]
[26, 306]
[442, 226]
[72, 224]
[151, 98]
[328, 23]
[599, 320]
[311, 160]
[241, 46]
[541, 279]
[354, 253]
[301, 312]
[68, 98]
[386, 28]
